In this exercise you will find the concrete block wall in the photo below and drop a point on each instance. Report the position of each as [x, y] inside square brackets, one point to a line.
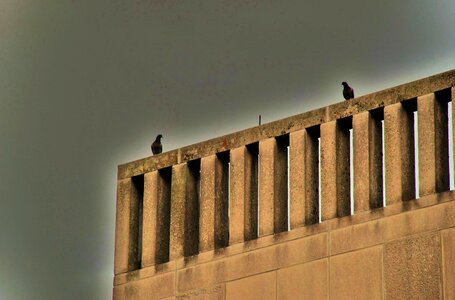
[213, 220]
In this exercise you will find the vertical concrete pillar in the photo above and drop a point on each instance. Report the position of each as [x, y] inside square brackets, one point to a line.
[213, 220]
[367, 161]
[243, 219]
[335, 183]
[273, 187]
[433, 144]
[155, 237]
[122, 226]
[399, 153]
[184, 224]
[303, 152]
[207, 204]
[150, 222]
[178, 197]
[128, 238]
[238, 195]
[297, 177]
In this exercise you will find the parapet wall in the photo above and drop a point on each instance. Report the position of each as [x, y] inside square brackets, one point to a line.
[242, 217]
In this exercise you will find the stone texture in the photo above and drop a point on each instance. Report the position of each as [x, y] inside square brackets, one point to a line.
[184, 231]
[399, 153]
[412, 267]
[157, 287]
[448, 263]
[214, 203]
[272, 187]
[212, 293]
[433, 143]
[335, 183]
[238, 195]
[122, 226]
[244, 195]
[367, 142]
[252, 262]
[127, 246]
[304, 281]
[261, 286]
[207, 204]
[297, 178]
[357, 275]
[156, 220]
[304, 190]
[393, 227]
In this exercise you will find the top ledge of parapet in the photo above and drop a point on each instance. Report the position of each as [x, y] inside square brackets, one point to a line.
[308, 119]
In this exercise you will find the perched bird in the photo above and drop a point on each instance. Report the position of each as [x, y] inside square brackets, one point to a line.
[157, 148]
[348, 92]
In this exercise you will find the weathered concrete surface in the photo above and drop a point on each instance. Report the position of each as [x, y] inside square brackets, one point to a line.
[335, 182]
[399, 153]
[433, 143]
[216, 292]
[122, 226]
[252, 263]
[304, 281]
[152, 288]
[251, 288]
[357, 275]
[367, 142]
[448, 262]
[408, 241]
[207, 204]
[412, 267]
[156, 219]
[273, 187]
[298, 122]
[304, 189]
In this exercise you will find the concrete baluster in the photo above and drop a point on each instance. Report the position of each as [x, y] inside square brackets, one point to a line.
[335, 183]
[399, 153]
[433, 143]
[367, 161]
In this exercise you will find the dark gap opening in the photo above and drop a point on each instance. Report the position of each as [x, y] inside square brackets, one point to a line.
[193, 192]
[345, 203]
[252, 191]
[222, 202]
[443, 97]
[377, 166]
[251, 213]
[281, 216]
[411, 162]
[164, 214]
[312, 176]
[137, 206]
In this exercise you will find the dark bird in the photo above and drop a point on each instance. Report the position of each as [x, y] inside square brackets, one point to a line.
[157, 148]
[348, 92]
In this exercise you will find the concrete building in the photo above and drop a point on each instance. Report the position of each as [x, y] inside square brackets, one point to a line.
[321, 205]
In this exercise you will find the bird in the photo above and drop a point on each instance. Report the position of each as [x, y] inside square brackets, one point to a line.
[348, 92]
[157, 148]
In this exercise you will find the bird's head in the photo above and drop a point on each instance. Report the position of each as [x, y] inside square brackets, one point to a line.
[345, 84]
[159, 136]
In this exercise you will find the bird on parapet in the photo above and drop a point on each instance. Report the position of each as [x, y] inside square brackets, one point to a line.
[157, 147]
[348, 92]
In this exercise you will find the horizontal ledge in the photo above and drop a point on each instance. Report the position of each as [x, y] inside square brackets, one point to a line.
[297, 122]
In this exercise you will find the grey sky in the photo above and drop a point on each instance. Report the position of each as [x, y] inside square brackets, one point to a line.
[87, 85]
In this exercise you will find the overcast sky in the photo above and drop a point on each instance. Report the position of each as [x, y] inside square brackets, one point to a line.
[87, 85]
